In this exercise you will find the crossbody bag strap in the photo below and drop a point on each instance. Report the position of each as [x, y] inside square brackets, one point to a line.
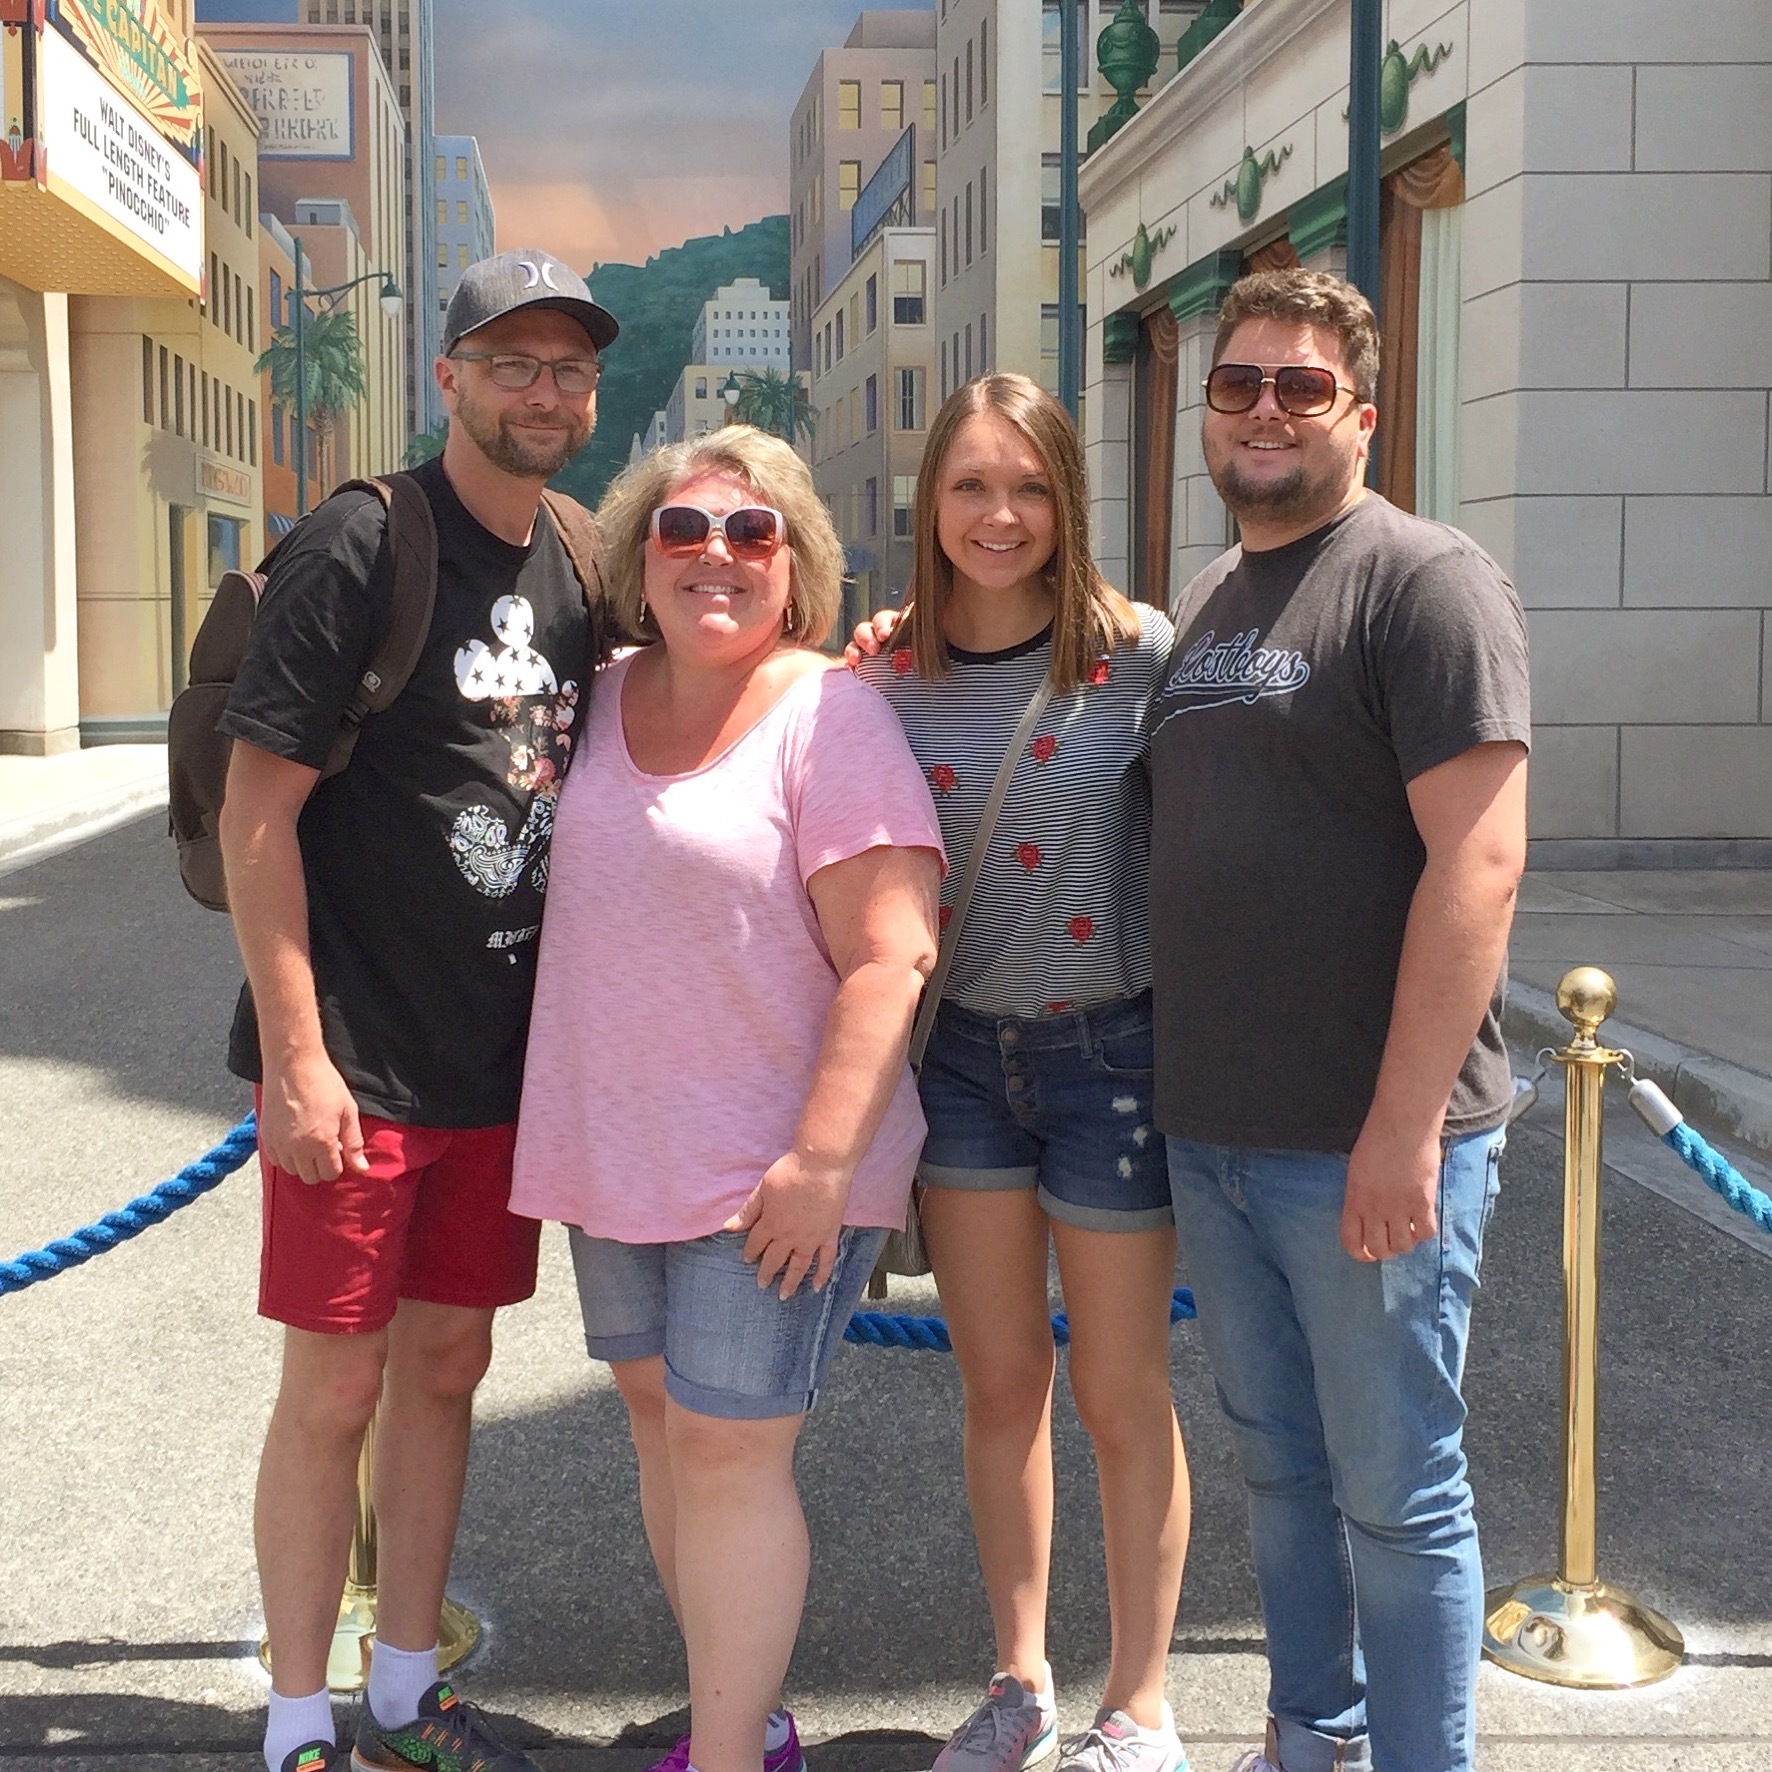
[987, 824]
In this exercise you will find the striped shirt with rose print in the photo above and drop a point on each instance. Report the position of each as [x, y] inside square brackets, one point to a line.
[1060, 919]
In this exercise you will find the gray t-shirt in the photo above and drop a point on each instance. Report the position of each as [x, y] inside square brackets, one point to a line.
[1059, 918]
[1308, 686]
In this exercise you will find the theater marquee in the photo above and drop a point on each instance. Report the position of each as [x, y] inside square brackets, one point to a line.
[101, 189]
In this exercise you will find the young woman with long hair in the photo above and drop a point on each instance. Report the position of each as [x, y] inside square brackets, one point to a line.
[1037, 1079]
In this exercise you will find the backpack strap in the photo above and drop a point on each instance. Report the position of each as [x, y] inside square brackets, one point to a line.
[412, 546]
[583, 542]
[577, 530]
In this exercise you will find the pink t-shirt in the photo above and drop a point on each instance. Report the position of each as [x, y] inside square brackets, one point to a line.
[683, 982]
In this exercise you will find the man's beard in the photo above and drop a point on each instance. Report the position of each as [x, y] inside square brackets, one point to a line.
[1291, 498]
[511, 451]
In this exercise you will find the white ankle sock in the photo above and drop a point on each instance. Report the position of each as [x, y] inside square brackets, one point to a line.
[775, 1732]
[1042, 1694]
[398, 1679]
[294, 1722]
[1164, 1729]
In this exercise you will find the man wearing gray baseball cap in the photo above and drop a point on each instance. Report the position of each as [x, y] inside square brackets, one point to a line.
[387, 915]
[526, 278]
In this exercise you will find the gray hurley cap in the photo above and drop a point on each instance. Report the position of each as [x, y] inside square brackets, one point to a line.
[526, 278]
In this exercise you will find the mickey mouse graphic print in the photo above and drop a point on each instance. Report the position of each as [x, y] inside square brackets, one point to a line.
[427, 858]
[520, 684]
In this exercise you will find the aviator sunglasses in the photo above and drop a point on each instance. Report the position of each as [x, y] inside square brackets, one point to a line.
[753, 532]
[1302, 390]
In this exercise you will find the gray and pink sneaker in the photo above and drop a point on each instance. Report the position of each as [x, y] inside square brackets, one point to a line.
[1116, 1744]
[1008, 1732]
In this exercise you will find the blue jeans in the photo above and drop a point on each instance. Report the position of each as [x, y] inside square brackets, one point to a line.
[1057, 1103]
[1341, 1382]
[731, 1348]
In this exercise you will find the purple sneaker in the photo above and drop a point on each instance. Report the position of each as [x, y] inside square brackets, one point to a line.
[677, 1760]
[787, 1757]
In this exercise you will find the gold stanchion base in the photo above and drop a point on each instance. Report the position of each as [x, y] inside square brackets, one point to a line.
[347, 1662]
[458, 1636]
[1594, 1637]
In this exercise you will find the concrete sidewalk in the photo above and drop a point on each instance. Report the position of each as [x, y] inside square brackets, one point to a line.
[1691, 952]
[50, 803]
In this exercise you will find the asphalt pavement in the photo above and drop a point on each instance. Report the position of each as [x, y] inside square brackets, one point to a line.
[134, 1393]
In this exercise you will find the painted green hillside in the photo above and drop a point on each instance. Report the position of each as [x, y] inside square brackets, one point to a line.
[657, 304]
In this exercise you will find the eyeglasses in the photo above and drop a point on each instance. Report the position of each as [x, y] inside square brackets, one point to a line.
[572, 375]
[753, 532]
[1302, 389]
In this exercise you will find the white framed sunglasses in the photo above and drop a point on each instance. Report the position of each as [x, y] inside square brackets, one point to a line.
[752, 532]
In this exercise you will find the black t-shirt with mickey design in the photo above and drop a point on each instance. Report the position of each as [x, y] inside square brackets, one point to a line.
[426, 859]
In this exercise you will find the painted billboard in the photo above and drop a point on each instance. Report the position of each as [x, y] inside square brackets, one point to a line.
[302, 99]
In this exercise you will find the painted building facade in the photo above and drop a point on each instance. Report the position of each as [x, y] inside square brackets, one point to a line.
[872, 390]
[465, 221]
[277, 452]
[404, 36]
[129, 320]
[332, 166]
[997, 131]
[695, 406]
[855, 108]
[1577, 310]
[741, 325]
[168, 387]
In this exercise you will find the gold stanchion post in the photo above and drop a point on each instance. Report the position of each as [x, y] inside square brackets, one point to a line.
[353, 1638]
[1571, 1628]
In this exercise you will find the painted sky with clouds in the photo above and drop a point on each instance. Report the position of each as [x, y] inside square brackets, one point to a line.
[611, 128]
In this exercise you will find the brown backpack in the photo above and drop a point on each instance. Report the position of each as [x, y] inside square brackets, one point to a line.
[197, 754]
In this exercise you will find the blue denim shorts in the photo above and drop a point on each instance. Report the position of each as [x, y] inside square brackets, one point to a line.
[730, 1348]
[1061, 1104]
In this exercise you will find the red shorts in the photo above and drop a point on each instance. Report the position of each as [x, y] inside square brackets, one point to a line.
[431, 1220]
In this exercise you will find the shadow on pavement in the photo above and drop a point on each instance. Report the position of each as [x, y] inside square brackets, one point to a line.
[140, 995]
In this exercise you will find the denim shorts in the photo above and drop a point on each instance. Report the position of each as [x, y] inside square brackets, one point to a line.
[1060, 1103]
[731, 1348]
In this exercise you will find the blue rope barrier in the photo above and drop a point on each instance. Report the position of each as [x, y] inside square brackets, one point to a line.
[930, 1334]
[191, 1183]
[868, 1328]
[1719, 1174]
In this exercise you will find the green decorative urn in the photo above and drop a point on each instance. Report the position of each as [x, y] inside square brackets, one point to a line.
[1127, 52]
[1397, 75]
[1244, 186]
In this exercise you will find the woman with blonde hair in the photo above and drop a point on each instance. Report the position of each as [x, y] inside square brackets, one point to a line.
[1022, 679]
[716, 1096]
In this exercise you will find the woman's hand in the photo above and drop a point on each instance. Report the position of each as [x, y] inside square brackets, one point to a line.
[794, 1217]
[870, 637]
[876, 911]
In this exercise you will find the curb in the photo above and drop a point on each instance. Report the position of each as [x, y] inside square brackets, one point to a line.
[36, 839]
[1718, 1097]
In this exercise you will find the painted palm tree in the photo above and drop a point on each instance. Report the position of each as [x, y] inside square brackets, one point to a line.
[427, 444]
[775, 403]
[332, 362]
